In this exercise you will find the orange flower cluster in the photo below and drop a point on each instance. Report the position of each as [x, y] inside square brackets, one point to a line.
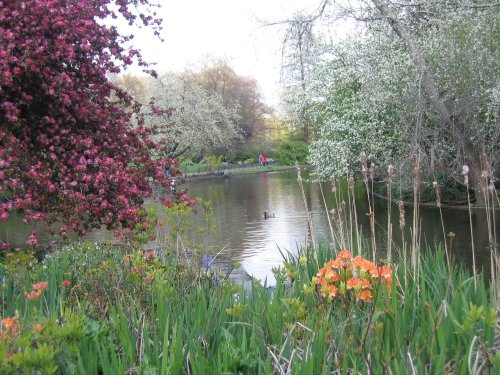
[10, 324]
[38, 289]
[347, 275]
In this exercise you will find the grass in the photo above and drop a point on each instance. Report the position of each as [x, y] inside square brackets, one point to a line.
[112, 320]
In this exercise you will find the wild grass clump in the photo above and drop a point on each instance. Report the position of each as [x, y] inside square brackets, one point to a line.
[149, 316]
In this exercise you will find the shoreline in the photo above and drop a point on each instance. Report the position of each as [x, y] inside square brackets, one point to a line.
[434, 205]
[225, 173]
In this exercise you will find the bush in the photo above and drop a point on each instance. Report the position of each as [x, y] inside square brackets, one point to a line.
[290, 152]
[237, 156]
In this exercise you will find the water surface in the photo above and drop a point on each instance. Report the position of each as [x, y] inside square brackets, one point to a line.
[239, 203]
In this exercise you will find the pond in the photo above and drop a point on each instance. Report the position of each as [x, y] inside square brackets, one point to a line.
[239, 203]
[255, 241]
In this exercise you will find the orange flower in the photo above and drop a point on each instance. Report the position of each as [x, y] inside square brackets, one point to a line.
[353, 283]
[324, 289]
[41, 285]
[332, 276]
[38, 327]
[365, 295]
[334, 263]
[150, 278]
[33, 294]
[367, 265]
[358, 261]
[332, 291]
[321, 272]
[344, 254]
[385, 272]
[365, 284]
[8, 322]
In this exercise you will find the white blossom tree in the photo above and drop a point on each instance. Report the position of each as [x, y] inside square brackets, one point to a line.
[416, 77]
[188, 117]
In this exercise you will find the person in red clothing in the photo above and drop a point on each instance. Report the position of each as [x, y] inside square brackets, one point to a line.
[264, 160]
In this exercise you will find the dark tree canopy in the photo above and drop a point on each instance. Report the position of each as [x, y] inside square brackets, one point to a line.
[67, 151]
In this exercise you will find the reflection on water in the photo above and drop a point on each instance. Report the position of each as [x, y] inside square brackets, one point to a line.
[239, 203]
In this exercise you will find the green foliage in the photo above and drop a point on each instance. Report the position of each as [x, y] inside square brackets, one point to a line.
[18, 260]
[237, 156]
[290, 152]
[158, 316]
[42, 346]
[213, 162]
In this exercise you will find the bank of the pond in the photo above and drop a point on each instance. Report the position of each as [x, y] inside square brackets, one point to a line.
[225, 173]
[91, 309]
[432, 204]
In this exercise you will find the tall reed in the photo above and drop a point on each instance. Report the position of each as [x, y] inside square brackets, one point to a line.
[318, 177]
[308, 212]
[437, 191]
[390, 179]
[371, 213]
[417, 187]
[465, 173]
[486, 188]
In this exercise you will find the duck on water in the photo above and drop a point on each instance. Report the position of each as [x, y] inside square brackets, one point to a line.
[268, 215]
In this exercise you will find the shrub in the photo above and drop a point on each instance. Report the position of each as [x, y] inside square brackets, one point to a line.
[238, 156]
[290, 152]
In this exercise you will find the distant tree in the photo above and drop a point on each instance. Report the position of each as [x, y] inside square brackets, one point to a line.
[241, 94]
[192, 119]
[67, 152]
[298, 62]
[133, 84]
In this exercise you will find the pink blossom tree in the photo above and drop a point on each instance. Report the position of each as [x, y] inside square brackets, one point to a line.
[68, 153]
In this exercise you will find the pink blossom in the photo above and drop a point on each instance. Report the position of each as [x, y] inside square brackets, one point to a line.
[72, 161]
[32, 239]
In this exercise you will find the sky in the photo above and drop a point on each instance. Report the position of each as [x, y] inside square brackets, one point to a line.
[196, 30]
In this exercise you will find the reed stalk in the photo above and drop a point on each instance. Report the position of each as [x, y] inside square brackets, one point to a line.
[390, 173]
[415, 246]
[350, 230]
[354, 209]
[465, 173]
[350, 226]
[437, 190]
[402, 224]
[486, 177]
[308, 212]
[371, 213]
[333, 212]
[494, 245]
[326, 209]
